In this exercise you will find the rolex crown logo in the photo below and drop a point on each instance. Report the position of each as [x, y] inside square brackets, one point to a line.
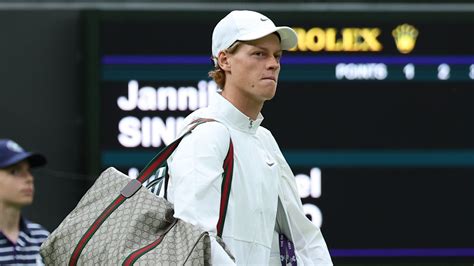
[405, 38]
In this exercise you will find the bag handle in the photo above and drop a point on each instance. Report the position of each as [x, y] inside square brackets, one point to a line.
[135, 184]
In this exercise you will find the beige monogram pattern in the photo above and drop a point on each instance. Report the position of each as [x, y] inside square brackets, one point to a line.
[139, 221]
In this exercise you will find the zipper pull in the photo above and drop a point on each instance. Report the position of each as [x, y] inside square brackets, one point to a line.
[250, 123]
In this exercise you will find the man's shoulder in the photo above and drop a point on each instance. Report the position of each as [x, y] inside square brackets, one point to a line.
[265, 133]
[263, 130]
[212, 127]
[212, 132]
[204, 111]
[197, 114]
[209, 138]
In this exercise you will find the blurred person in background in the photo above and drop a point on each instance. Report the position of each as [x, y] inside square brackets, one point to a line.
[20, 239]
[265, 223]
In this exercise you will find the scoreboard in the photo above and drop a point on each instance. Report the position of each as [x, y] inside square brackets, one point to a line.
[374, 112]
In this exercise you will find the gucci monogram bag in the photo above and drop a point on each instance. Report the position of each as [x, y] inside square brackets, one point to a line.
[118, 221]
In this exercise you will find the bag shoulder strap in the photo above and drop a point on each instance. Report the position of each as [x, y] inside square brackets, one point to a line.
[227, 175]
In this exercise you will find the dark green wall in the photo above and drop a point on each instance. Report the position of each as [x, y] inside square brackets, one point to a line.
[41, 103]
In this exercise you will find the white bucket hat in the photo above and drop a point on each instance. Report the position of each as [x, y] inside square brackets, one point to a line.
[245, 25]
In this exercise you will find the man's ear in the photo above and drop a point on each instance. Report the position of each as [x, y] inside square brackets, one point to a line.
[223, 61]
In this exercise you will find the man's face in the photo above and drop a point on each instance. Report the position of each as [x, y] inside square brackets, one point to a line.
[254, 68]
[16, 185]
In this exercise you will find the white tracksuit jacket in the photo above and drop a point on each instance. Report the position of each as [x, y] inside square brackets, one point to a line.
[261, 179]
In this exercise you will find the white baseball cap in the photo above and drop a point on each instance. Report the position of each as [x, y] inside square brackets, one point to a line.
[245, 25]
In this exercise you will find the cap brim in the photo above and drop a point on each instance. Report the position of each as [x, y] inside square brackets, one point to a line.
[288, 36]
[34, 159]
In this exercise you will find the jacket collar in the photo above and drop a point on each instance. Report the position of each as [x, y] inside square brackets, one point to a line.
[227, 112]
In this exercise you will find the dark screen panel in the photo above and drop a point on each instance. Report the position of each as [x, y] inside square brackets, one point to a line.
[380, 137]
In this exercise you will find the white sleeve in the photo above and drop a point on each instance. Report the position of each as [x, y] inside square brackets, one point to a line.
[194, 187]
[309, 242]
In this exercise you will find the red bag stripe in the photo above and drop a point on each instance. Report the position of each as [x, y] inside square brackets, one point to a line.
[134, 256]
[93, 228]
[225, 190]
[138, 253]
